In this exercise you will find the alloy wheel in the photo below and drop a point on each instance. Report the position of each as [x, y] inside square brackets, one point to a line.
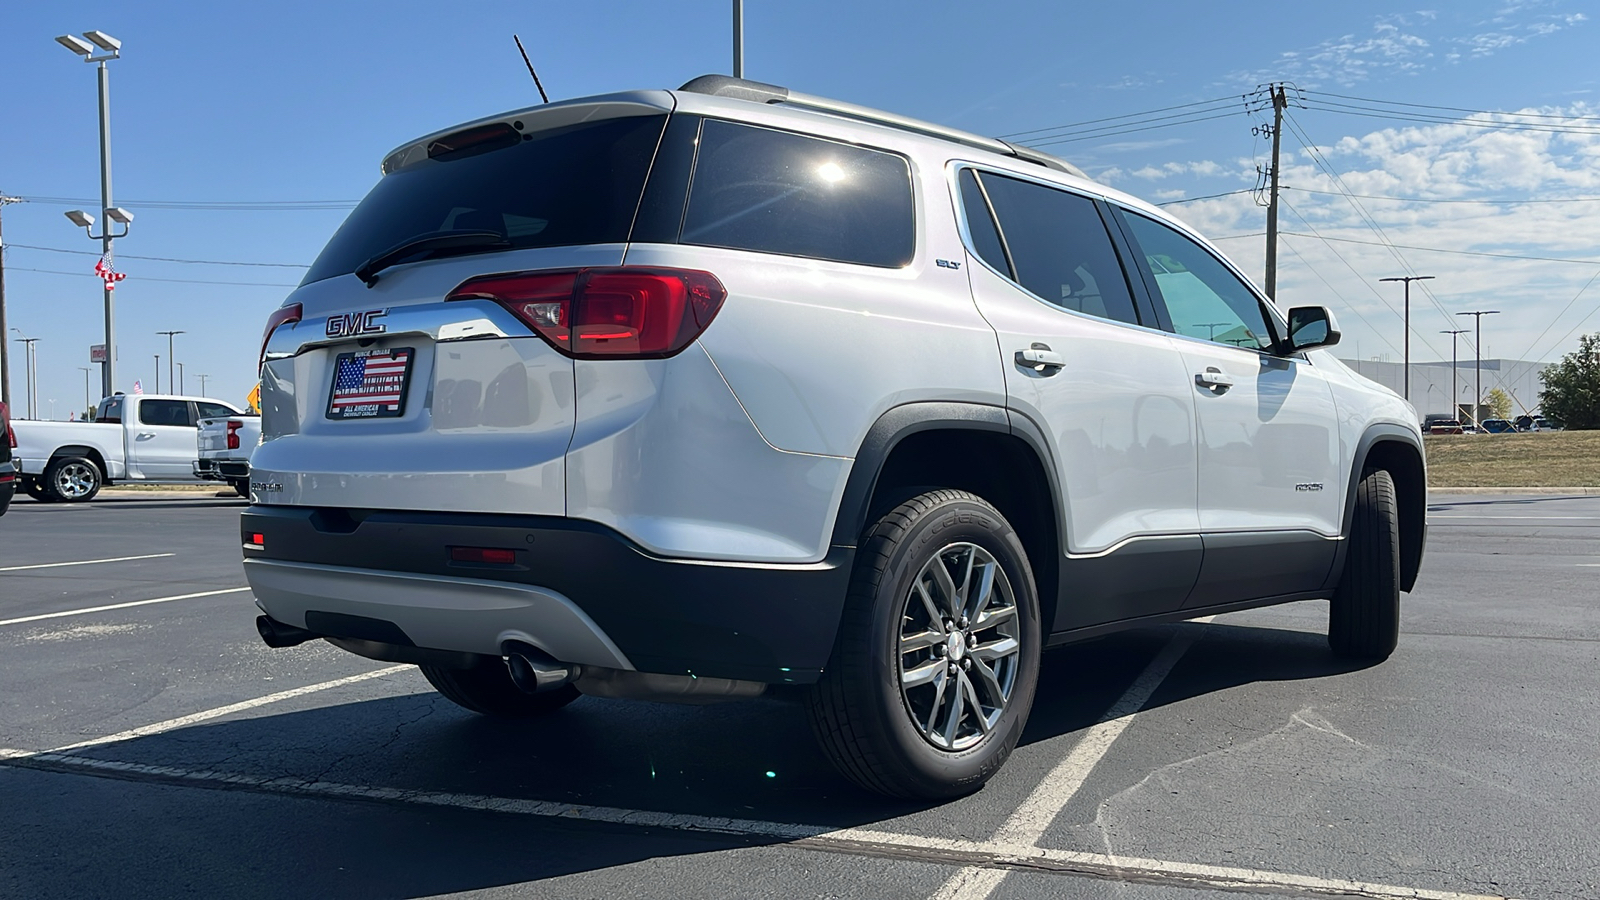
[75, 480]
[959, 647]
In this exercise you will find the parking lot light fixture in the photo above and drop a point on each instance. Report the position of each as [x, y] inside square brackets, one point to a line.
[119, 215]
[102, 40]
[80, 218]
[76, 44]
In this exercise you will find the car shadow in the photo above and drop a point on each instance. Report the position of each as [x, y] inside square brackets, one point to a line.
[751, 760]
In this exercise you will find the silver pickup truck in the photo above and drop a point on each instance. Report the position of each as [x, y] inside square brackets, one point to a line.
[224, 445]
[143, 438]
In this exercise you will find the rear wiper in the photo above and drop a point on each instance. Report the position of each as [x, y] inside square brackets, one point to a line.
[424, 243]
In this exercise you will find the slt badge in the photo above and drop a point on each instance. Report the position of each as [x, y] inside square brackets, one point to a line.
[350, 324]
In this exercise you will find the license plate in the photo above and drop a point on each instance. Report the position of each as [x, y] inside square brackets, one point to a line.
[370, 384]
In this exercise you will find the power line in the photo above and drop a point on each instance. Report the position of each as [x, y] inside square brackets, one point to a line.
[1136, 115]
[1489, 112]
[1556, 259]
[1447, 120]
[256, 205]
[1444, 199]
[1208, 197]
[1089, 137]
[167, 280]
[207, 262]
[1347, 304]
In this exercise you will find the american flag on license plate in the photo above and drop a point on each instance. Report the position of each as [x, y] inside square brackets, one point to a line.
[376, 380]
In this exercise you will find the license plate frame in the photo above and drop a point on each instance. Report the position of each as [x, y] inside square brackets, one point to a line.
[366, 395]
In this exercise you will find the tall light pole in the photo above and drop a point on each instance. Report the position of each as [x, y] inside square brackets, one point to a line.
[180, 378]
[30, 367]
[738, 38]
[1408, 279]
[88, 402]
[110, 48]
[1477, 352]
[1455, 401]
[5, 355]
[170, 383]
[158, 373]
[203, 378]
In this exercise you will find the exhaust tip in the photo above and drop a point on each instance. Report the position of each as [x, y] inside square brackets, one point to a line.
[533, 671]
[278, 634]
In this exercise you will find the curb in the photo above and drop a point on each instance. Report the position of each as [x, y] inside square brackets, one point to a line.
[1576, 491]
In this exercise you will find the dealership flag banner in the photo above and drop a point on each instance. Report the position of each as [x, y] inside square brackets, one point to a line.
[106, 269]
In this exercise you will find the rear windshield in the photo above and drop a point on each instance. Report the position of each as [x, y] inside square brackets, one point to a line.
[579, 184]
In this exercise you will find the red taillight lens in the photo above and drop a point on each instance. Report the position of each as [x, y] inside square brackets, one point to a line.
[281, 316]
[5, 426]
[233, 433]
[483, 555]
[627, 312]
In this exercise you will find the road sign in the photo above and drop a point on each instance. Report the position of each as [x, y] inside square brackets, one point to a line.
[97, 353]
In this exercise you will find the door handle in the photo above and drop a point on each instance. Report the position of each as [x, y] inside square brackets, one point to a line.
[145, 434]
[1041, 359]
[1213, 379]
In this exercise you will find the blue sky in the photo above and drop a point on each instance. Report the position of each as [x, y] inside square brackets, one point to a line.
[295, 101]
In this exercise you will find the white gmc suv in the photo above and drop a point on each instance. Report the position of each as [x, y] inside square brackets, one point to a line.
[706, 393]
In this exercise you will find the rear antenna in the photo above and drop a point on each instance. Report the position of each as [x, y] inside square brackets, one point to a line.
[542, 95]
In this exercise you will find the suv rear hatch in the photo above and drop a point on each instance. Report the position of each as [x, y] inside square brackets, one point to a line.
[385, 387]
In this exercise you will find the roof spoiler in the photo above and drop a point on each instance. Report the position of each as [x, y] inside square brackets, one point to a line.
[758, 92]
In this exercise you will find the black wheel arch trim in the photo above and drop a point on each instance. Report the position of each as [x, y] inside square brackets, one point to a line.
[1414, 533]
[900, 422]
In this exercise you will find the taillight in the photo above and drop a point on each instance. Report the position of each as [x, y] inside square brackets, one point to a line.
[5, 426]
[627, 312]
[490, 555]
[233, 433]
[281, 316]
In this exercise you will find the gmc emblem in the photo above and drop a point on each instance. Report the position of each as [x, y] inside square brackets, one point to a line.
[356, 323]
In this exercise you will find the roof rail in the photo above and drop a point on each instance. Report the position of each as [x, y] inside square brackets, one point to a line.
[758, 92]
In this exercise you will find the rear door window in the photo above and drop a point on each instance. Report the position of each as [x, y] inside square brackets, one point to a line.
[1058, 247]
[212, 410]
[164, 412]
[776, 192]
[575, 184]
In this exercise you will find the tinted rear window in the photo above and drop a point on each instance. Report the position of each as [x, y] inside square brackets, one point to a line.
[776, 192]
[579, 184]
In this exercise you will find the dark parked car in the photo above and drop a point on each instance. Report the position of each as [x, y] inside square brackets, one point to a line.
[1498, 426]
[1443, 426]
[8, 469]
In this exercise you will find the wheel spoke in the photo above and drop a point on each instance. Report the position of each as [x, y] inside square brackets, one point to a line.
[921, 675]
[934, 616]
[947, 587]
[963, 598]
[957, 712]
[991, 684]
[976, 604]
[939, 682]
[972, 696]
[920, 641]
[994, 650]
[992, 617]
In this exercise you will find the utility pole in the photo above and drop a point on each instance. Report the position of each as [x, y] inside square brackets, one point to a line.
[1477, 352]
[1408, 279]
[1455, 402]
[171, 385]
[203, 378]
[1280, 102]
[158, 374]
[5, 355]
[738, 38]
[180, 378]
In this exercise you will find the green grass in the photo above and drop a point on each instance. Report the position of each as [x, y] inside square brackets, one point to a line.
[1541, 459]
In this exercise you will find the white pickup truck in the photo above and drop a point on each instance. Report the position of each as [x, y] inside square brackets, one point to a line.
[143, 438]
[225, 443]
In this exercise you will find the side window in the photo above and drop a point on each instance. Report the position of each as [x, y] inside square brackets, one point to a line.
[213, 410]
[980, 224]
[776, 192]
[1203, 296]
[164, 412]
[1059, 248]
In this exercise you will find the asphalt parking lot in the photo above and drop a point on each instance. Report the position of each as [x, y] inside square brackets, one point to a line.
[153, 747]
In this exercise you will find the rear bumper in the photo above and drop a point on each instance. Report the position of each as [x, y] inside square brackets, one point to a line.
[221, 469]
[576, 588]
[8, 485]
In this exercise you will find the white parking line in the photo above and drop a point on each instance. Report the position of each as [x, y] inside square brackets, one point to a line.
[1552, 518]
[849, 840]
[85, 562]
[181, 721]
[131, 603]
[1028, 823]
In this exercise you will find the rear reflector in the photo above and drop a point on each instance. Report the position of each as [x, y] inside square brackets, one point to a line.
[258, 541]
[629, 312]
[483, 555]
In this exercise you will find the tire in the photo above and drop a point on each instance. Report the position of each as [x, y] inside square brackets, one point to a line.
[881, 711]
[72, 479]
[241, 486]
[34, 488]
[487, 690]
[1364, 615]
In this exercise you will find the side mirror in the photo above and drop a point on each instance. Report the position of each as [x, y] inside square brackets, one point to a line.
[1312, 326]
